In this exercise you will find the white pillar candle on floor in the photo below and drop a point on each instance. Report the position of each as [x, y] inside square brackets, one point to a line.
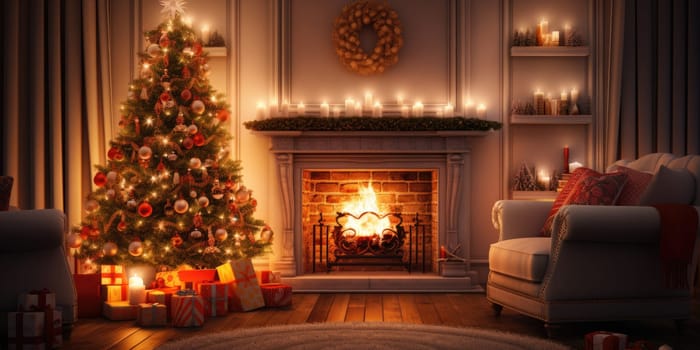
[418, 109]
[137, 291]
[324, 109]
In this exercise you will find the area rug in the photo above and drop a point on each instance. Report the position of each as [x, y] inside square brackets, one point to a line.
[368, 335]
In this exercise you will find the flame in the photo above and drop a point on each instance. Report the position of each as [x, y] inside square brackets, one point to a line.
[368, 225]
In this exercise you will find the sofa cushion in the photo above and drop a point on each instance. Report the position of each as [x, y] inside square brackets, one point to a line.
[561, 198]
[524, 258]
[5, 192]
[670, 186]
[597, 189]
[636, 185]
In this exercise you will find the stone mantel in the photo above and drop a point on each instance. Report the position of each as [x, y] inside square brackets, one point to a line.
[446, 151]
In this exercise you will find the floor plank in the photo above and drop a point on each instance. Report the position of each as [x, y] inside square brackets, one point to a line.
[321, 309]
[356, 308]
[373, 308]
[391, 308]
[426, 309]
[409, 311]
[339, 308]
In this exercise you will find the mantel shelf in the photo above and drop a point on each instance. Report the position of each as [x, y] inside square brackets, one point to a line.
[551, 119]
[445, 133]
[544, 51]
[215, 51]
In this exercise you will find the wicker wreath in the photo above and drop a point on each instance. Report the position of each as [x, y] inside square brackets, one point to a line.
[346, 37]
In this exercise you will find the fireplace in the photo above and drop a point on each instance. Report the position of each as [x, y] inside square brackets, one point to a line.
[413, 173]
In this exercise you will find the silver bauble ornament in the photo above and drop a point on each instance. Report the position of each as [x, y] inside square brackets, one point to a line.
[181, 206]
[203, 201]
[109, 249]
[91, 205]
[221, 234]
[153, 50]
[198, 107]
[136, 248]
[112, 177]
[145, 152]
[74, 240]
[196, 234]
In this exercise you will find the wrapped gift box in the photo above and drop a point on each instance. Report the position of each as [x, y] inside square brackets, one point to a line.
[152, 315]
[113, 274]
[225, 273]
[35, 329]
[170, 278]
[114, 292]
[276, 294]
[88, 292]
[36, 300]
[119, 310]
[275, 277]
[187, 309]
[602, 340]
[246, 294]
[215, 295]
[162, 296]
[263, 276]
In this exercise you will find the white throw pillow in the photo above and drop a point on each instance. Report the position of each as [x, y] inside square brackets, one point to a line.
[669, 186]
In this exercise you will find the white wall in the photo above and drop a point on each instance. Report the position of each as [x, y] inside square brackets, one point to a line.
[316, 74]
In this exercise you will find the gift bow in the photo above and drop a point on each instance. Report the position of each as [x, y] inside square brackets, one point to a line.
[248, 275]
[186, 292]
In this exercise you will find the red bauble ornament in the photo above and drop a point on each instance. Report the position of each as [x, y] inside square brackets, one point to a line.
[176, 240]
[186, 95]
[145, 209]
[198, 139]
[85, 232]
[115, 153]
[100, 179]
[222, 115]
[188, 143]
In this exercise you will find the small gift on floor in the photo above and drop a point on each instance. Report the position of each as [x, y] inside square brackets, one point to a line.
[246, 294]
[187, 309]
[114, 292]
[277, 294]
[602, 340]
[152, 315]
[36, 300]
[35, 329]
[119, 310]
[113, 274]
[215, 295]
[87, 287]
[263, 276]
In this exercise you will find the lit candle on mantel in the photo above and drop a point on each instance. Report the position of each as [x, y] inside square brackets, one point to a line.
[358, 108]
[449, 111]
[284, 109]
[261, 112]
[349, 106]
[301, 109]
[377, 109]
[369, 100]
[481, 111]
[273, 109]
[137, 291]
[469, 110]
[405, 111]
[336, 112]
[205, 35]
[418, 109]
[324, 109]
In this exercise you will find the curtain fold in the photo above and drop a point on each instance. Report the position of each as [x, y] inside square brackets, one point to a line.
[659, 92]
[52, 103]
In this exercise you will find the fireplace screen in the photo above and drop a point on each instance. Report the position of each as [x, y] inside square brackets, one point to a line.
[368, 239]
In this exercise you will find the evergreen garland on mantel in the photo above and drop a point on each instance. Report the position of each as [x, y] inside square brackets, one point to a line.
[372, 124]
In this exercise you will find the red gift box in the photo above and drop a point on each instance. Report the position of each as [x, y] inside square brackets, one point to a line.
[114, 292]
[119, 310]
[276, 294]
[162, 296]
[601, 340]
[192, 278]
[187, 309]
[88, 294]
[152, 315]
[113, 274]
[35, 329]
[215, 295]
[263, 276]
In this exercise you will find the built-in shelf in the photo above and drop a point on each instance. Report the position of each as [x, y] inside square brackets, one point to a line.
[540, 51]
[216, 51]
[551, 119]
[535, 195]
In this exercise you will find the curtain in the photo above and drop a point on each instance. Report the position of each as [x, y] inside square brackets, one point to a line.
[659, 108]
[53, 108]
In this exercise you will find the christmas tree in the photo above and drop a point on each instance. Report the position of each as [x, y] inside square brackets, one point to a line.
[169, 193]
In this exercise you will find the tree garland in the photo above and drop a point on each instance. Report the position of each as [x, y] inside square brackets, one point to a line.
[346, 37]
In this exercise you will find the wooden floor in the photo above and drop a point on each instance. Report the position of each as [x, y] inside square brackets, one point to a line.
[453, 309]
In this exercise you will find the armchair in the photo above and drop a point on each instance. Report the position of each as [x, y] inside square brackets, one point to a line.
[32, 257]
[601, 263]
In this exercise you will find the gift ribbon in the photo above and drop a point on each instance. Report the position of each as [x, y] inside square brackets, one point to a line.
[41, 297]
[248, 275]
[20, 339]
[186, 292]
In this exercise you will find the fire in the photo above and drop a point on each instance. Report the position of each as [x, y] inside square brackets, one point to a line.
[367, 225]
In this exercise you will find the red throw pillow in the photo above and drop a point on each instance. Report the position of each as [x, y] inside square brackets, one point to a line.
[563, 195]
[5, 192]
[636, 185]
[598, 190]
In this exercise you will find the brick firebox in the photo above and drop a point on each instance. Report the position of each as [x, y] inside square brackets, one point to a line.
[405, 191]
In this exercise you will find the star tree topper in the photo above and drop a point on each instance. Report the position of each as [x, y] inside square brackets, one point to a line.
[173, 8]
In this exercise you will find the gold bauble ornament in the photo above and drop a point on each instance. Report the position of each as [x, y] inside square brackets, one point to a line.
[181, 206]
[109, 249]
[136, 248]
[74, 240]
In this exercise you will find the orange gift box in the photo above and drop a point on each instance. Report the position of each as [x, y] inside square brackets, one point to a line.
[246, 294]
[215, 295]
[170, 278]
[119, 310]
[187, 309]
[277, 294]
[114, 292]
[152, 315]
[113, 274]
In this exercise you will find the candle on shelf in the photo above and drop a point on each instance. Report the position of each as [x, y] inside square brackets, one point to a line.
[564, 103]
[377, 110]
[405, 111]
[418, 109]
[547, 41]
[349, 106]
[261, 112]
[555, 38]
[205, 35]
[469, 110]
[538, 34]
[575, 165]
[399, 100]
[369, 100]
[543, 179]
[544, 25]
[566, 159]
[564, 95]
[273, 109]
[449, 111]
[554, 106]
[539, 102]
[481, 111]
[324, 109]
[574, 95]
[137, 291]
[336, 112]
[301, 109]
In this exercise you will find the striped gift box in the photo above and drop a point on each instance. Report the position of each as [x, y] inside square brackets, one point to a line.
[187, 309]
[602, 340]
